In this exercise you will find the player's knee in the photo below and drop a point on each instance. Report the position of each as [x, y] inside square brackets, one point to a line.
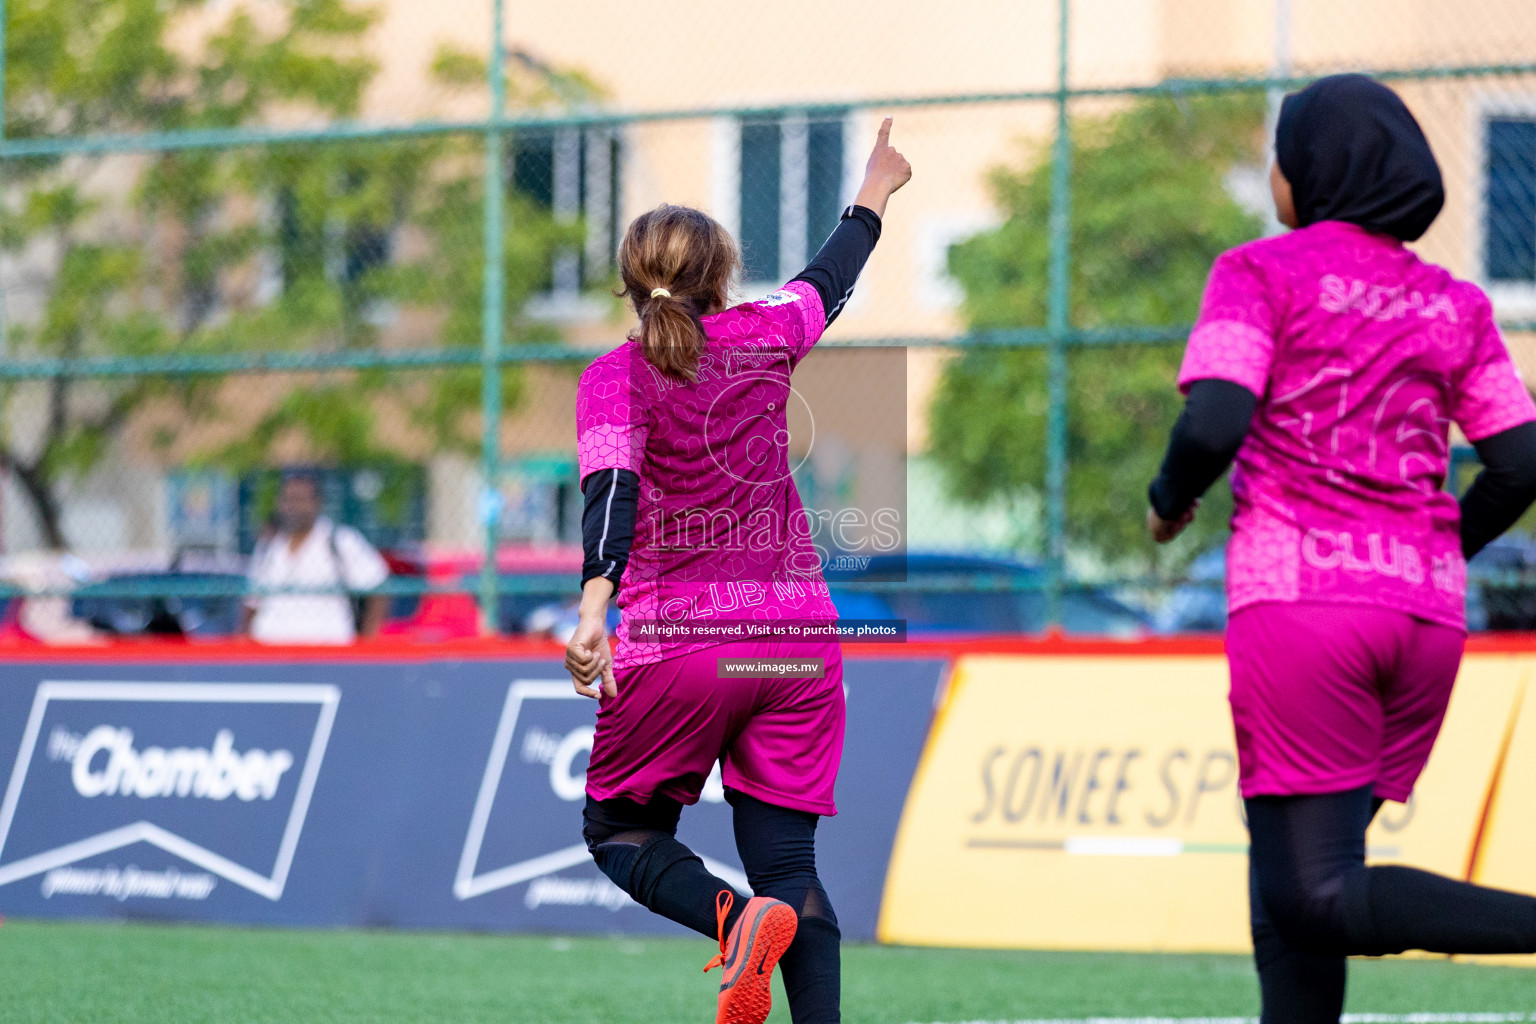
[634, 859]
[616, 860]
[1310, 914]
[597, 829]
[595, 834]
[602, 820]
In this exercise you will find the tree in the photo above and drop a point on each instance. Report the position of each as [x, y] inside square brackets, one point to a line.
[1150, 212]
[285, 247]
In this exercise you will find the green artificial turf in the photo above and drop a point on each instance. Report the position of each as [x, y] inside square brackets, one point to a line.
[170, 974]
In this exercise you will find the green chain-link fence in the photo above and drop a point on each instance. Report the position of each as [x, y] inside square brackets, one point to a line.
[379, 241]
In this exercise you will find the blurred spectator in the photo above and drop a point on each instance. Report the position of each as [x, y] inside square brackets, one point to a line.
[306, 551]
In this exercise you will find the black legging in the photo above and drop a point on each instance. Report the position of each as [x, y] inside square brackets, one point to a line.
[1314, 902]
[636, 846]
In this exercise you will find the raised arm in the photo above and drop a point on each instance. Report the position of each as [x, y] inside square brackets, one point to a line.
[836, 267]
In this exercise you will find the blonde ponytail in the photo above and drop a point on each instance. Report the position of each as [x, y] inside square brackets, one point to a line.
[671, 337]
[676, 264]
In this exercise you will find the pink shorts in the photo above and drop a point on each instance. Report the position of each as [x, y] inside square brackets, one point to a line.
[781, 739]
[1332, 697]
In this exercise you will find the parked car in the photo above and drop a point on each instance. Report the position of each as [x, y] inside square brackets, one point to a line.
[433, 595]
[957, 593]
[196, 595]
[528, 577]
[538, 593]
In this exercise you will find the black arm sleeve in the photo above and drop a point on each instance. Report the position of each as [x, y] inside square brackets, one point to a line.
[836, 267]
[609, 497]
[1503, 490]
[1205, 440]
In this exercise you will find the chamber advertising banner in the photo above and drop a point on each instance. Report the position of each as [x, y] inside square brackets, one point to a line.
[422, 795]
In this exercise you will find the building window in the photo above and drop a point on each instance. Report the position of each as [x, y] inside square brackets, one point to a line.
[790, 191]
[541, 503]
[344, 252]
[574, 174]
[1509, 212]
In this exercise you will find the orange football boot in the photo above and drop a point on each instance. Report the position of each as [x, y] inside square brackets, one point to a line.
[762, 935]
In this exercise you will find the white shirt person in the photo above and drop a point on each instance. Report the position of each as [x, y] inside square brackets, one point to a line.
[330, 563]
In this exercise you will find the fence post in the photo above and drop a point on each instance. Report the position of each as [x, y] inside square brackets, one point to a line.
[492, 317]
[1058, 324]
[1280, 67]
[4, 14]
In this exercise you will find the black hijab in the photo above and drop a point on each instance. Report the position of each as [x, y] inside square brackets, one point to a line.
[1353, 152]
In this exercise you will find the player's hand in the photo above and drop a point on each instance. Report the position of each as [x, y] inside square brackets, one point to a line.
[886, 171]
[1164, 530]
[886, 165]
[589, 660]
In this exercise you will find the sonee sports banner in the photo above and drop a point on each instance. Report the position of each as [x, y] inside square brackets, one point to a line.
[1091, 803]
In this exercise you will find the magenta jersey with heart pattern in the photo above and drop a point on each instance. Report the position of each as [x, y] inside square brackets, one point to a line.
[720, 531]
[1362, 355]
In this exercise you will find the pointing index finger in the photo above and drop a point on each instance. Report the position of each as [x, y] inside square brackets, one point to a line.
[884, 138]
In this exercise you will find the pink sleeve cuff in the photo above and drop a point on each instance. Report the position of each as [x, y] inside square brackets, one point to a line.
[606, 446]
[1495, 400]
[1228, 350]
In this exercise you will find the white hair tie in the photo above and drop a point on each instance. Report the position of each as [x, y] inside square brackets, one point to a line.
[660, 293]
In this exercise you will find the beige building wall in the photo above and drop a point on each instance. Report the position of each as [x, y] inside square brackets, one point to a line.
[699, 54]
[694, 54]
[691, 54]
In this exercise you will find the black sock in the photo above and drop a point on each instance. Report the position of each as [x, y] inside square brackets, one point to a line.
[777, 847]
[658, 872]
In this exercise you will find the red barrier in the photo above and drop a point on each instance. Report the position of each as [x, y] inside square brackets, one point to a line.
[496, 647]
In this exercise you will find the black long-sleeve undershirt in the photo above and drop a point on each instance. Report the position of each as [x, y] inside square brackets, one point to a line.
[836, 266]
[1205, 440]
[1215, 420]
[609, 499]
[1503, 490]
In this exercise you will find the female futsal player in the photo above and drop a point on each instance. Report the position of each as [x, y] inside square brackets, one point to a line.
[1330, 363]
[691, 513]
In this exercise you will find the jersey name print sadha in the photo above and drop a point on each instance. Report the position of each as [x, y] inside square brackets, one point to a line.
[1362, 356]
[1382, 302]
[720, 530]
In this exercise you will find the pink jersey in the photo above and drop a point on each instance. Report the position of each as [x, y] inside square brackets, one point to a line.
[1362, 356]
[720, 533]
